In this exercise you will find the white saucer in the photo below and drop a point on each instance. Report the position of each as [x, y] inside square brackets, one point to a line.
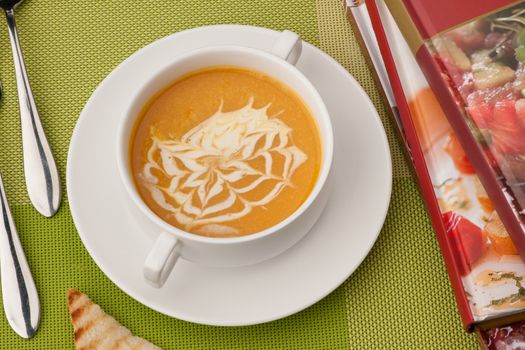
[296, 279]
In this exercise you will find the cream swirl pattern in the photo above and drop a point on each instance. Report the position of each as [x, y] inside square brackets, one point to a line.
[223, 168]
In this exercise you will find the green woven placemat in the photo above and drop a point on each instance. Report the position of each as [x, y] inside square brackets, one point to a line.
[399, 298]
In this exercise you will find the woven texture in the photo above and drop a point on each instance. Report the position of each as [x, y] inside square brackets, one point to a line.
[400, 297]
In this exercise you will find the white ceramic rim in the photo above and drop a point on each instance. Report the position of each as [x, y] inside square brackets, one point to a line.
[123, 145]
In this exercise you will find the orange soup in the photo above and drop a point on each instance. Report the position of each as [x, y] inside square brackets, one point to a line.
[225, 152]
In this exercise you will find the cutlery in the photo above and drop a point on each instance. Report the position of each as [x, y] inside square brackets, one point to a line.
[42, 180]
[19, 294]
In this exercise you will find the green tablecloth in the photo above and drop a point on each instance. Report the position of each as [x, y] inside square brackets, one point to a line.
[399, 298]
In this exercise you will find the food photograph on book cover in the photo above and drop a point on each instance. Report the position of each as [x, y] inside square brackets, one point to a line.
[483, 62]
[436, 73]
[491, 270]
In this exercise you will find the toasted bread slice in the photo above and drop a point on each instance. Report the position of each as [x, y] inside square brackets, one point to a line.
[96, 330]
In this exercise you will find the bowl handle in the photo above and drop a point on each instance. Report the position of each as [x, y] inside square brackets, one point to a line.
[161, 259]
[288, 47]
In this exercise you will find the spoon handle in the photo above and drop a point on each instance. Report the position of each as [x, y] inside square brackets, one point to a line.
[19, 294]
[42, 180]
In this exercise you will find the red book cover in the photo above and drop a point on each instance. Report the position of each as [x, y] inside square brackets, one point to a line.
[484, 267]
[472, 54]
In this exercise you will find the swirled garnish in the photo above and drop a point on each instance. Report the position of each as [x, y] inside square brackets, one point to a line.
[212, 173]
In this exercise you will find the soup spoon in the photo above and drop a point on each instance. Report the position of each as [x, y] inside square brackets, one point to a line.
[42, 181]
